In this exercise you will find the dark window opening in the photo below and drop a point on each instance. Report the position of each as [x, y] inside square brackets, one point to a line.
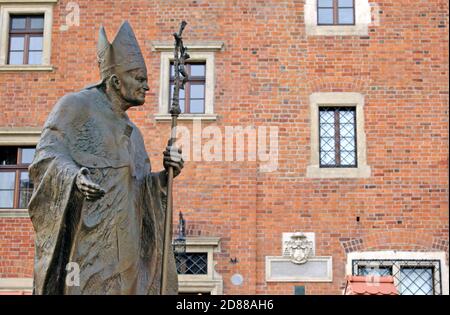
[15, 185]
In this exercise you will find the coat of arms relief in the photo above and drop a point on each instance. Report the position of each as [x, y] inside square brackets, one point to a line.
[298, 248]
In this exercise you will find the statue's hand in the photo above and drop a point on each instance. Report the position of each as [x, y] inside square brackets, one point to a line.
[88, 188]
[173, 157]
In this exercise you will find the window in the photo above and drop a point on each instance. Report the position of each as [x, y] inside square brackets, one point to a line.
[197, 100]
[15, 185]
[335, 12]
[338, 140]
[196, 273]
[411, 277]
[192, 98]
[338, 17]
[26, 39]
[25, 36]
[337, 136]
[192, 263]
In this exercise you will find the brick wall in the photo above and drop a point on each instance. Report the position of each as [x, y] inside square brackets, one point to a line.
[264, 76]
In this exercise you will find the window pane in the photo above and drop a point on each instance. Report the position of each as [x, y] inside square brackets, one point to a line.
[16, 58]
[17, 43]
[347, 116]
[345, 16]
[172, 71]
[182, 108]
[27, 155]
[325, 3]
[192, 263]
[374, 271]
[8, 155]
[26, 190]
[37, 22]
[348, 158]
[416, 281]
[347, 130]
[197, 106]
[6, 199]
[345, 3]
[327, 158]
[197, 91]
[17, 23]
[327, 130]
[36, 43]
[347, 144]
[327, 145]
[171, 93]
[25, 182]
[24, 198]
[35, 58]
[7, 180]
[198, 70]
[325, 16]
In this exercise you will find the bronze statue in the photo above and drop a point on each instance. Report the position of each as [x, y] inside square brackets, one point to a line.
[96, 202]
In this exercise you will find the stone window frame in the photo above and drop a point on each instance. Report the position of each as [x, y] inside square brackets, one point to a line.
[26, 7]
[211, 282]
[403, 255]
[330, 99]
[18, 137]
[362, 20]
[201, 52]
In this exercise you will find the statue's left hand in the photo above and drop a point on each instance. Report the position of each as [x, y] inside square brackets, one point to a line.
[173, 158]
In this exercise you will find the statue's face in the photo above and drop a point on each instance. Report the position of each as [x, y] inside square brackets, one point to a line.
[133, 86]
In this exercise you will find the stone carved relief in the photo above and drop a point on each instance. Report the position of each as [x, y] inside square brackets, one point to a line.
[299, 249]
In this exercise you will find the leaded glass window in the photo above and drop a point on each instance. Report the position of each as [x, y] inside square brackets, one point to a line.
[337, 136]
[411, 277]
[192, 263]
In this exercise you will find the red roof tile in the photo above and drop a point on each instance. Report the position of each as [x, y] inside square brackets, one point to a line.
[370, 285]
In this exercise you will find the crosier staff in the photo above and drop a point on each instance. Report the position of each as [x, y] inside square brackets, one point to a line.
[181, 77]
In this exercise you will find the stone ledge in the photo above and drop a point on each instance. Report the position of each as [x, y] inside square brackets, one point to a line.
[28, 1]
[168, 117]
[191, 46]
[314, 171]
[14, 213]
[16, 284]
[22, 68]
[19, 135]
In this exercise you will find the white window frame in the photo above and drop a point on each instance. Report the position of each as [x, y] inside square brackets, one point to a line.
[200, 52]
[334, 99]
[211, 282]
[403, 255]
[18, 137]
[363, 18]
[26, 7]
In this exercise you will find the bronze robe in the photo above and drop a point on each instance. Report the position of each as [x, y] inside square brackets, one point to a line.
[116, 240]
